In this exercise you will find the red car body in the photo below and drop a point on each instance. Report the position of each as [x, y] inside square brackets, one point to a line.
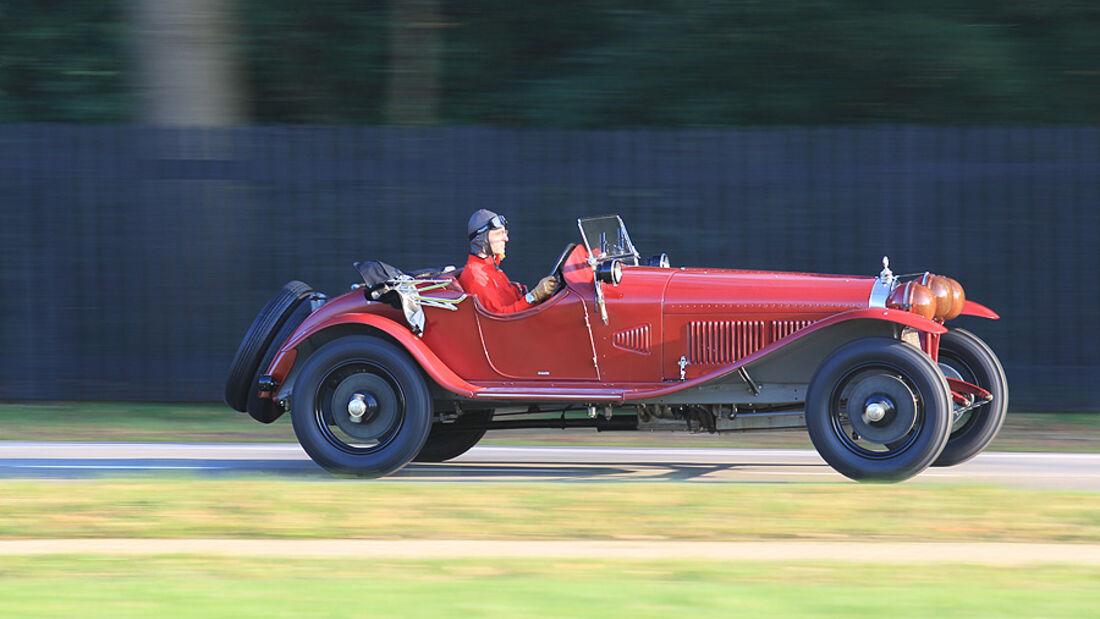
[663, 346]
[656, 316]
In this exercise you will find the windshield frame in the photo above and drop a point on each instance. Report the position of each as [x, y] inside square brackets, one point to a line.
[627, 251]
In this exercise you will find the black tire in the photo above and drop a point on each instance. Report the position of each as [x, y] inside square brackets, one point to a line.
[974, 361]
[265, 410]
[257, 340]
[912, 399]
[451, 440]
[388, 385]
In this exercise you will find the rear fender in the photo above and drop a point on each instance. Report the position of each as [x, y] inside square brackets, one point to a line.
[311, 336]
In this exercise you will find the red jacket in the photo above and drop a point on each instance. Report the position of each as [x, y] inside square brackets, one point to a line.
[483, 277]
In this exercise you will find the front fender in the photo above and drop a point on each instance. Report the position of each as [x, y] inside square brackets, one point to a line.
[794, 359]
[902, 317]
[971, 308]
[432, 365]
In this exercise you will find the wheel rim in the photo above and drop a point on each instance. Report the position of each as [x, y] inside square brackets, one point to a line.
[359, 407]
[955, 367]
[875, 411]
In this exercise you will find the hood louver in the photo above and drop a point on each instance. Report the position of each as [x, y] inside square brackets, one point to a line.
[716, 342]
[634, 340]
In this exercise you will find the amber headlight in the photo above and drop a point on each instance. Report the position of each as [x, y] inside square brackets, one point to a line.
[958, 298]
[948, 293]
[913, 297]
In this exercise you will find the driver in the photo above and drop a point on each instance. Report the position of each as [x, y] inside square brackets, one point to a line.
[488, 233]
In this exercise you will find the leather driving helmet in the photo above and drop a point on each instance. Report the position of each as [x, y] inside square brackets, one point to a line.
[477, 229]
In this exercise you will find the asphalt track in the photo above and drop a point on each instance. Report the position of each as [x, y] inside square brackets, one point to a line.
[68, 460]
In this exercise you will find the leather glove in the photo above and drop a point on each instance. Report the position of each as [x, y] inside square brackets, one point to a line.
[546, 287]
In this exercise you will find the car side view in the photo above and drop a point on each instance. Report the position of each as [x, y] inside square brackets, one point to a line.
[409, 366]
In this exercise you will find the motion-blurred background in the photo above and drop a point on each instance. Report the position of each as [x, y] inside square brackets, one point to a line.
[165, 165]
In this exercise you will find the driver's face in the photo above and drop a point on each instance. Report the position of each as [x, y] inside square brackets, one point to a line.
[498, 238]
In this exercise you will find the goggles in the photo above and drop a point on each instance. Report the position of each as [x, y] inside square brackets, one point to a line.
[498, 221]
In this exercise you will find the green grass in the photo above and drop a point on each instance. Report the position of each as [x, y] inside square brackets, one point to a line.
[211, 586]
[67, 586]
[229, 508]
[197, 585]
[135, 421]
[98, 421]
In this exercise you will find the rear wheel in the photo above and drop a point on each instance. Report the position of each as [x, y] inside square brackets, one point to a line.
[361, 407]
[451, 440]
[877, 410]
[965, 356]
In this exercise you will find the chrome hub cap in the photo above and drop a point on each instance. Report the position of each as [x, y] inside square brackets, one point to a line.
[361, 407]
[876, 410]
[365, 407]
[881, 409]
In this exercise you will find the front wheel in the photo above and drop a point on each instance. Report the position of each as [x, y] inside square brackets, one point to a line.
[360, 407]
[878, 410]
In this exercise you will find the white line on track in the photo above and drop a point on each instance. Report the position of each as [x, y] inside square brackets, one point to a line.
[113, 467]
[543, 463]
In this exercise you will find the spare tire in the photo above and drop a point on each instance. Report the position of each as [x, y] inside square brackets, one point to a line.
[257, 340]
[265, 410]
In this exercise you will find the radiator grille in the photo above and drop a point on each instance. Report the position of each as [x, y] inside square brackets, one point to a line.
[724, 341]
[634, 340]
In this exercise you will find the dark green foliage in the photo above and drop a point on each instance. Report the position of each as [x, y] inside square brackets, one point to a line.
[706, 63]
[63, 60]
[603, 63]
[315, 62]
[505, 61]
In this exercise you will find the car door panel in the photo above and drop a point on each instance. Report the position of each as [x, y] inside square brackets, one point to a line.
[547, 342]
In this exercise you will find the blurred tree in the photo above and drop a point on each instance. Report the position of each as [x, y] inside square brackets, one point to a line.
[413, 86]
[187, 65]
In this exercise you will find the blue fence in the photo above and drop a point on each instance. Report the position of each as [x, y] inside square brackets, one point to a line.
[134, 258]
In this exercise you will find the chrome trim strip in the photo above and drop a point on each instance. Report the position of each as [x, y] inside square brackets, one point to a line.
[549, 396]
[880, 291]
[591, 340]
[622, 226]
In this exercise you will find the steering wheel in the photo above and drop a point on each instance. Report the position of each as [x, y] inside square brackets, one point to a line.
[557, 270]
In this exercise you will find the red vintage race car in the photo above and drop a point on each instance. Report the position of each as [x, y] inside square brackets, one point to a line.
[408, 366]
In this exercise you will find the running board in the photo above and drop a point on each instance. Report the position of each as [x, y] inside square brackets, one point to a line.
[732, 391]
